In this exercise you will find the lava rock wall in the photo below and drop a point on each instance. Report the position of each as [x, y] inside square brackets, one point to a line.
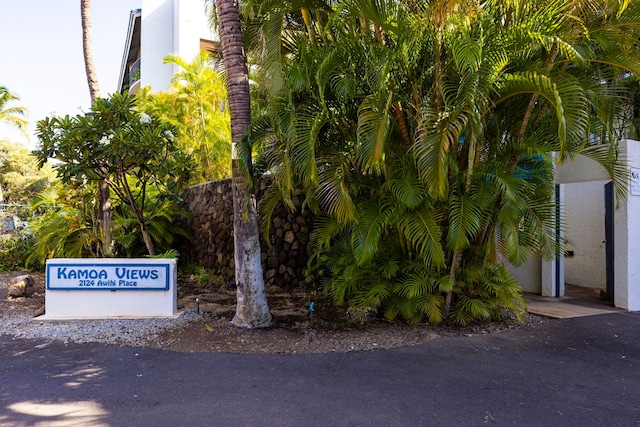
[210, 230]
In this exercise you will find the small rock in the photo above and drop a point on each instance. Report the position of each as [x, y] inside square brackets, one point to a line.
[270, 274]
[21, 286]
[38, 312]
[289, 237]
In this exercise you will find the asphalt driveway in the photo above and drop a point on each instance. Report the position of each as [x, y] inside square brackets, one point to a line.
[573, 372]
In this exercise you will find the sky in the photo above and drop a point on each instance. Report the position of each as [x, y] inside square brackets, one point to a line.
[41, 55]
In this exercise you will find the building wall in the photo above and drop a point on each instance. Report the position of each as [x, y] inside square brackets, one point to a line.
[627, 234]
[156, 41]
[191, 25]
[170, 27]
[528, 275]
[626, 230]
[584, 230]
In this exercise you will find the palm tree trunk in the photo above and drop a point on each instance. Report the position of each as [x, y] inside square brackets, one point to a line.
[534, 98]
[306, 17]
[104, 196]
[455, 263]
[92, 76]
[252, 310]
[397, 106]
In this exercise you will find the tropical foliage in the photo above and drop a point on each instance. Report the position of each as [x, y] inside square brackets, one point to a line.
[14, 252]
[427, 132]
[196, 107]
[67, 225]
[11, 114]
[133, 152]
[20, 177]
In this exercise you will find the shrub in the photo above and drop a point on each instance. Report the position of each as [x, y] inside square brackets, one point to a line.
[14, 251]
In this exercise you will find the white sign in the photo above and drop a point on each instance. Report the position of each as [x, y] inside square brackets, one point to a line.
[107, 277]
[84, 288]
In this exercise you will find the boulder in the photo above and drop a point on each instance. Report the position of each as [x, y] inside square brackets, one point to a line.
[20, 286]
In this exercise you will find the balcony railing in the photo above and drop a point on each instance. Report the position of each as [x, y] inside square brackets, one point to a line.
[134, 73]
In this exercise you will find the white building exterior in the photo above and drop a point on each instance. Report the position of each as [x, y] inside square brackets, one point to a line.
[581, 193]
[160, 28]
[584, 211]
[627, 235]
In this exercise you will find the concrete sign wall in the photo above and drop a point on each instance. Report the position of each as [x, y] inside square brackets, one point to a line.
[108, 287]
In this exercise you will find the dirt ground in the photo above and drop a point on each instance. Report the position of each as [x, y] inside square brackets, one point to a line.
[333, 329]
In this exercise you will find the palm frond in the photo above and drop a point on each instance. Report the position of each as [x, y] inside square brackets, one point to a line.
[421, 229]
[334, 195]
[373, 220]
[407, 191]
[438, 134]
[374, 125]
[465, 219]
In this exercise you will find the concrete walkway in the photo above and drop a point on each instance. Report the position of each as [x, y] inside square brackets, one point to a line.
[577, 302]
[565, 307]
[582, 371]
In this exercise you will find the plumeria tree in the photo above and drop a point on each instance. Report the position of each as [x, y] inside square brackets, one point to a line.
[133, 152]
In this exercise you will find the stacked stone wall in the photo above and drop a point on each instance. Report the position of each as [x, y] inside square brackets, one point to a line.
[210, 230]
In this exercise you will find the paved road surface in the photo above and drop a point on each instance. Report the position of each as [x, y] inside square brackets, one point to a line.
[573, 372]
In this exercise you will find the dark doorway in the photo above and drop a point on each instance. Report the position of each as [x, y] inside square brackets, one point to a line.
[609, 206]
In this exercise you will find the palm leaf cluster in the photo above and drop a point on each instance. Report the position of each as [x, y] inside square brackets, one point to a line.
[12, 115]
[196, 108]
[426, 133]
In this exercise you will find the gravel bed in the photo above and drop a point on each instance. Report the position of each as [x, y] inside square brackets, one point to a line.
[212, 331]
[19, 323]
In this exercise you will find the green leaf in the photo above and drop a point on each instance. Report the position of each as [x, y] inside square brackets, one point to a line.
[422, 231]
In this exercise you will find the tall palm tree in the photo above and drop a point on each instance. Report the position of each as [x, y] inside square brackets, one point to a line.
[427, 132]
[94, 91]
[252, 310]
[90, 69]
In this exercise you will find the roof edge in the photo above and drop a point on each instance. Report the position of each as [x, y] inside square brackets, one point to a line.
[134, 14]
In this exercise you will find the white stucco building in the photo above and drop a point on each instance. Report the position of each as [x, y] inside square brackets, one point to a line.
[160, 28]
[602, 234]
